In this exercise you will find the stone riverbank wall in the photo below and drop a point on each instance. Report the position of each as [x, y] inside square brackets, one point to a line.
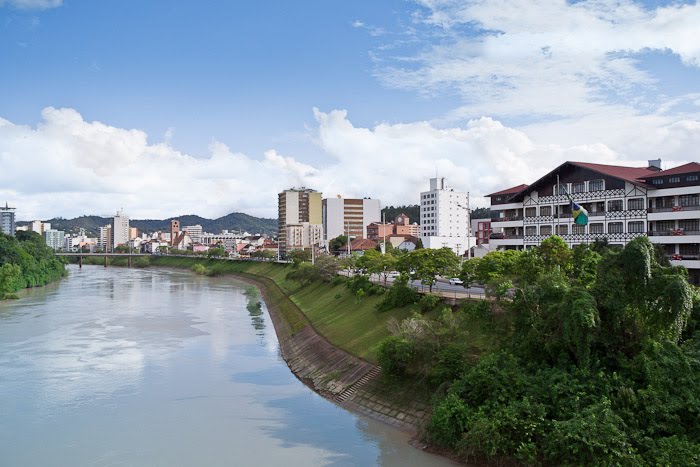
[330, 371]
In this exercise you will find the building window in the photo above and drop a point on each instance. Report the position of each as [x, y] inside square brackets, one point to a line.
[674, 179]
[562, 188]
[530, 212]
[578, 187]
[546, 211]
[635, 227]
[689, 225]
[563, 229]
[615, 205]
[615, 227]
[596, 228]
[531, 230]
[691, 178]
[635, 203]
[545, 230]
[664, 226]
[596, 185]
[657, 181]
[688, 200]
[577, 229]
[688, 249]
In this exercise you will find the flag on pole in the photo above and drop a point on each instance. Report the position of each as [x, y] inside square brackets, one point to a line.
[578, 212]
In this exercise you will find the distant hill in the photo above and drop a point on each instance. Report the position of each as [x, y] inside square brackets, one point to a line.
[412, 211]
[233, 221]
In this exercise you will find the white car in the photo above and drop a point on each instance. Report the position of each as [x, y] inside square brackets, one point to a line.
[456, 281]
[392, 275]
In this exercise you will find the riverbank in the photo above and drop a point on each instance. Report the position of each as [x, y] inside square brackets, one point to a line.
[328, 339]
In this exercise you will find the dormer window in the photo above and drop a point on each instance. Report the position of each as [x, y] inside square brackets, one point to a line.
[674, 179]
[657, 181]
[691, 178]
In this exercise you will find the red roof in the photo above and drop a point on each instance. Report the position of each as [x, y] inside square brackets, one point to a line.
[509, 191]
[681, 169]
[630, 174]
[361, 244]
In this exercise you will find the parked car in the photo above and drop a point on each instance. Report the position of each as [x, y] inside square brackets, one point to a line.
[456, 281]
[393, 274]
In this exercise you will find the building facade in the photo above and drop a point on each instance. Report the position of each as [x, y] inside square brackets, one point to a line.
[622, 203]
[120, 229]
[55, 239]
[348, 216]
[7, 220]
[444, 217]
[298, 207]
[195, 231]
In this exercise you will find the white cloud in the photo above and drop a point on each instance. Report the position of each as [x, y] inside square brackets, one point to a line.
[550, 58]
[66, 166]
[32, 4]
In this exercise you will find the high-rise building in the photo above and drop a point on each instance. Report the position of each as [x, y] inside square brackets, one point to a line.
[444, 217]
[39, 227]
[298, 206]
[7, 220]
[105, 238]
[133, 233]
[120, 229]
[195, 232]
[54, 238]
[347, 216]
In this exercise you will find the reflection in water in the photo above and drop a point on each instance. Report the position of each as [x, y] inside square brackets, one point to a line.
[149, 367]
[254, 308]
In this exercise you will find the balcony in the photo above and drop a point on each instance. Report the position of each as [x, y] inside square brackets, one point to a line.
[507, 219]
[676, 209]
[502, 236]
[672, 233]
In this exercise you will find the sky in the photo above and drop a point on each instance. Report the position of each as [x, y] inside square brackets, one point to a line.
[165, 108]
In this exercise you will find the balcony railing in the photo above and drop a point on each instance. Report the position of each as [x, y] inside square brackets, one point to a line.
[672, 232]
[676, 257]
[675, 209]
[507, 219]
[502, 236]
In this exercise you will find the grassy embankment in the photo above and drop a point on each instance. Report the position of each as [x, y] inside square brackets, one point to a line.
[333, 310]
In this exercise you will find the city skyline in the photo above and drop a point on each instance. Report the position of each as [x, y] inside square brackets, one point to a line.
[171, 109]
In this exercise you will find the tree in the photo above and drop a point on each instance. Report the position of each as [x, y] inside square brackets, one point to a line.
[374, 262]
[299, 256]
[212, 252]
[338, 243]
[327, 266]
[264, 254]
[10, 279]
[555, 253]
[427, 264]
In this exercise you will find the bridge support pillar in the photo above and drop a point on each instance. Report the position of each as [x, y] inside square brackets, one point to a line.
[80, 261]
[128, 261]
[105, 260]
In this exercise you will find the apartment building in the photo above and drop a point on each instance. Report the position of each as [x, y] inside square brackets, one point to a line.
[7, 220]
[299, 209]
[348, 216]
[444, 217]
[55, 239]
[622, 203]
[120, 229]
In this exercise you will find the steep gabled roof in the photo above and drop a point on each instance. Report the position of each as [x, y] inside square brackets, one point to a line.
[363, 244]
[630, 174]
[690, 167]
[509, 191]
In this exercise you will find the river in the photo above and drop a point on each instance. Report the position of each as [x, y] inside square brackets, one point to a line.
[129, 367]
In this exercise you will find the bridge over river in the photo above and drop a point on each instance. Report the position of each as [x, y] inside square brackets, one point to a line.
[81, 255]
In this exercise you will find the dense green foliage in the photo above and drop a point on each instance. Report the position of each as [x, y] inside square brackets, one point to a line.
[26, 261]
[594, 361]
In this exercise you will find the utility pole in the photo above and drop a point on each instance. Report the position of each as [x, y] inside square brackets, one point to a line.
[384, 232]
[347, 223]
[469, 230]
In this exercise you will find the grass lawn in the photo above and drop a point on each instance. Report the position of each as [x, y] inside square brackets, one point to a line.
[354, 326]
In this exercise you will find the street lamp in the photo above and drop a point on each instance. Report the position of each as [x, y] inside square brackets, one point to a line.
[469, 226]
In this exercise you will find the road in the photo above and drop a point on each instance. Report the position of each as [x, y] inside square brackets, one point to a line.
[441, 286]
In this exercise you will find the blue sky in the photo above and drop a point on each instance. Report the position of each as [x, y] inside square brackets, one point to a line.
[133, 104]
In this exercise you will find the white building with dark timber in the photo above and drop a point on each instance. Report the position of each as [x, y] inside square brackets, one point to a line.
[622, 203]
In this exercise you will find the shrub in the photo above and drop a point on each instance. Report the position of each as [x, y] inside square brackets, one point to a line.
[199, 269]
[429, 303]
[395, 355]
[399, 295]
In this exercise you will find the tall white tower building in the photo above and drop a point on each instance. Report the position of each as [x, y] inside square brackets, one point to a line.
[444, 217]
[120, 229]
